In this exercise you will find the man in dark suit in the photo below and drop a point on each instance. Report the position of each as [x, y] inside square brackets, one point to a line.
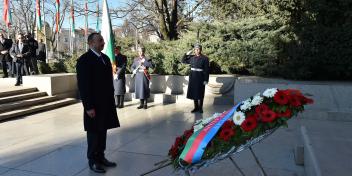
[19, 52]
[95, 84]
[32, 59]
[198, 77]
[6, 60]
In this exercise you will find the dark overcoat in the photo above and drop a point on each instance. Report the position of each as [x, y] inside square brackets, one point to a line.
[95, 85]
[6, 46]
[196, 87]
[141, 82]
[120, 80]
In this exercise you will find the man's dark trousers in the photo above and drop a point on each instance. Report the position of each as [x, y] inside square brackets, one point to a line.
[96, 145]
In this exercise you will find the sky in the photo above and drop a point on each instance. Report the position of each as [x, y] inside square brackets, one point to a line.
[79, 21]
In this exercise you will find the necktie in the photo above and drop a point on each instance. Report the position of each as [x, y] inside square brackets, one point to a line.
[101, 58]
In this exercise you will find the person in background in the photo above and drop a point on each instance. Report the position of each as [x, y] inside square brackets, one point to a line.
[95, 85]
[32, 59]
[20, 52]
[198, 78]
[140, 67]
[6, 60]
[41, 51]
[120, 79]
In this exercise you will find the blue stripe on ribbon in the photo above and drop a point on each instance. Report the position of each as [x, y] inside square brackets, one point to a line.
[199, 153]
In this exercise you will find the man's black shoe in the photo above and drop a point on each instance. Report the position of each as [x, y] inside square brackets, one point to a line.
[194, 110]
[4, 76]
[96, 168]
[145, 106]
[139, 107]
[17, 84]
[108, 163]
[121, 106]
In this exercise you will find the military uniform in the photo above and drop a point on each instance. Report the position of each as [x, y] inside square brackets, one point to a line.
[120, 80]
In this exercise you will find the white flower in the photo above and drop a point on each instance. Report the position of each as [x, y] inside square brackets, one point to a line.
[270, 92]
[238, 117]
[246, 105]
[197, 127]
[257, 99]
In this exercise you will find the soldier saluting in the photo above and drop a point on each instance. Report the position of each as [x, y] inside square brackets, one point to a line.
[198, 77]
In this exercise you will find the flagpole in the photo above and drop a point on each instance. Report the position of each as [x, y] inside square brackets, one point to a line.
[45, 43]
[86, 23]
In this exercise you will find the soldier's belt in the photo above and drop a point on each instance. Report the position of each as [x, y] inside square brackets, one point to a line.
[196, 69]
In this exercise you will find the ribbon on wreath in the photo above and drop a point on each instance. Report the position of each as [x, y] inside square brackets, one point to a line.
[196, 144]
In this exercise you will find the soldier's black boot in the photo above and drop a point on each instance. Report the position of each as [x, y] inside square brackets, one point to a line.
[195, 106]
[122, 99]
[117, 101]
[145, 104]
[201, 106]
[141, 105]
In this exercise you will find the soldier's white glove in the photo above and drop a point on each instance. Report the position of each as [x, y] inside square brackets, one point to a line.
[189, 52]
[134, 71]
[205, 83]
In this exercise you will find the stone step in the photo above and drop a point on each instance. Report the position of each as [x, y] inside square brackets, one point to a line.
[26, 103]
[19, 97]
[327, 147]
[18, 91]
[37, 108]
[163, 98]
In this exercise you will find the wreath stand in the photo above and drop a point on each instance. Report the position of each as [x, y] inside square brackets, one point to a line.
[228, 155]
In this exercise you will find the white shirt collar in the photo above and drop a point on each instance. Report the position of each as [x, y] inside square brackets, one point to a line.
[96, 53]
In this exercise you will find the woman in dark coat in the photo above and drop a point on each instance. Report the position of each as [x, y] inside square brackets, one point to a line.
[198, 77]
[120, 78]
[140, 68]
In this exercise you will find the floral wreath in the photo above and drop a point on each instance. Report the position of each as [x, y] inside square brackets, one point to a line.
[243, 125]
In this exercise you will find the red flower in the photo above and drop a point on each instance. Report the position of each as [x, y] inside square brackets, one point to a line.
[187, 134]
[268, 116]
[255, 115]
[173, 152]
[178, 141]
[249, 124]
[226, 133]
[228, 124]
[261, 108]
[293, 92]
[307, 100]
[287, 114]
[295, 101]
[281, 97]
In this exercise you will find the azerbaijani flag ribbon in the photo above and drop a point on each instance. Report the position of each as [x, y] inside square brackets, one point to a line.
[197, 143]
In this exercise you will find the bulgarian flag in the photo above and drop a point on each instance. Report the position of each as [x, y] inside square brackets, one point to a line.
[196, 144]
[57, 15]
[39, 18]
[107, 34]
[7, 14]
[72, 20]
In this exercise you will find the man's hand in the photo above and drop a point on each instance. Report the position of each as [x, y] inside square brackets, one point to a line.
[19, 55]
[134, 71]
[205, 83]
[91, 113]
[189, 52]
[4, 52]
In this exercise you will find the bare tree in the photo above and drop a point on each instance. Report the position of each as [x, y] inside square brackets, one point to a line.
[164, 17]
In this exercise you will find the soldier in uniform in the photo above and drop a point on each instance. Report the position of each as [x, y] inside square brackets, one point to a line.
[198, 77]
[140, 68]
[6, 60]
[120, 79]
[19, 52]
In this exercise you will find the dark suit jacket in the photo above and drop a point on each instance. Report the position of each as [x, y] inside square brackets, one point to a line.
[6, 46]
[95, 84]
[16, 50]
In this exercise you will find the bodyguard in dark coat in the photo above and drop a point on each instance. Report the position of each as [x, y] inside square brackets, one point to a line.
[32, 60]
[5, 58]
[20, 52]
[95, 84]
[140, 68]
[120, 79]
[198, 77]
